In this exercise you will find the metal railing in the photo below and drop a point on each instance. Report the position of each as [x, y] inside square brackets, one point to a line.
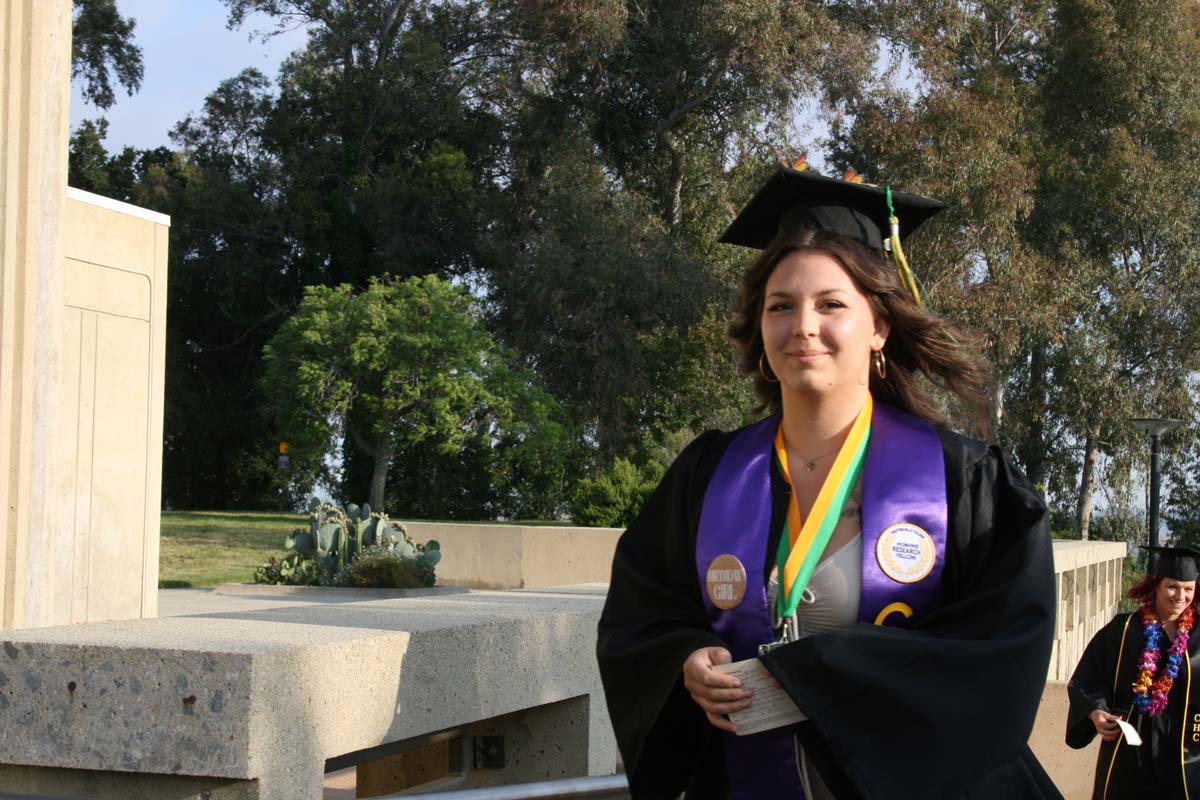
[600, 787]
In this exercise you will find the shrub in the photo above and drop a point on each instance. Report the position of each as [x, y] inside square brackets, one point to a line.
[382, 567]
[614, 497]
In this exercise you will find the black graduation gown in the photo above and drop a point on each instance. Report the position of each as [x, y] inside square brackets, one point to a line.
[1170, 746]
[940, 711]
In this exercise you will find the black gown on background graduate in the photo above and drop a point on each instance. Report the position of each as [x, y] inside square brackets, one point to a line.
[939, 711]
[1170, 746]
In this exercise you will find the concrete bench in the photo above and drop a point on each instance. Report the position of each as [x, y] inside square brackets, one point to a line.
[252, 704]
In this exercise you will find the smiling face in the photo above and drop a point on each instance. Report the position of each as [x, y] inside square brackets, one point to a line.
[818, 329]
[1172, 597]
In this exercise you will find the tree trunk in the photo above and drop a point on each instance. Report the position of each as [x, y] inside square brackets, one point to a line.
[675, 192]
[998, 407]
[1033, 447]
[382, 457]
[1087, 481]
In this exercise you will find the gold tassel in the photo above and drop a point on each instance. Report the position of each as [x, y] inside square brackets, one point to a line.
[907, 278]
[898, 258]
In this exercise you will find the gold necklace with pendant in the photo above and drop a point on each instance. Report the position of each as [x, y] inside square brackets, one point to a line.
[810, 464]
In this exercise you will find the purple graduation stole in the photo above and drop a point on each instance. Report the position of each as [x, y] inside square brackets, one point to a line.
[904, 536]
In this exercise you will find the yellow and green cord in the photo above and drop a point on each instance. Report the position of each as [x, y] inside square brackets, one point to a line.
[907, 278]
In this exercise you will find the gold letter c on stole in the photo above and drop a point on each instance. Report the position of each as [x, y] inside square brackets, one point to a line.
[893, 608]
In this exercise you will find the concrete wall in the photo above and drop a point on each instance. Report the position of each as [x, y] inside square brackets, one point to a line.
[1087, 574]
[111, 408]
[518, 557]
[35, 88]
[82, 324]
[250, 704]
[1087, 577]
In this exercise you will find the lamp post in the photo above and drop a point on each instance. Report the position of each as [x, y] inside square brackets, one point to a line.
[1156, 428]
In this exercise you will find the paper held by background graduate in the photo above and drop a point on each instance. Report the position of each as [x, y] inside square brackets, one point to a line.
[771, 707]
[1131, 734]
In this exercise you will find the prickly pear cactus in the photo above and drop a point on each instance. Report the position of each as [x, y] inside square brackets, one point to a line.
[431, 553]
[367, 531]
[354, 546]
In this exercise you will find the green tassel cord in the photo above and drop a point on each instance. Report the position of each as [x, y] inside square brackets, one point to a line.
[907, 278]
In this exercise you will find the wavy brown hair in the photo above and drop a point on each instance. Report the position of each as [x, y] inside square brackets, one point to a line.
[919, 341]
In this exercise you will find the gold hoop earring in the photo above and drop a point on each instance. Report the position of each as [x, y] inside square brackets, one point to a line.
[879, 361]
[763, 372]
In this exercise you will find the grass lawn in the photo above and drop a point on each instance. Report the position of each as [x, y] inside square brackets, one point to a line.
[204, 548]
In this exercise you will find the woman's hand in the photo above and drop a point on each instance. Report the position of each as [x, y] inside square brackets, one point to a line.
[1106, 724]
[716, 693]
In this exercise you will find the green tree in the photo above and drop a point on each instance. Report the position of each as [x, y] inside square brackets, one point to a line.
[401, 365]
[1182, 515]
[236, 272]
[1181, 482]
[384, 152]
[358, 164]
[577, 288]
[103, 52]
[523, 466]
[435, 137]
[613, 498]
[362, 163]
[623, 121]
[1120, 526]
[692, 81]
[1063, 136]
[573, 163]
[965, 132]
[133, 176]
[1115, 207]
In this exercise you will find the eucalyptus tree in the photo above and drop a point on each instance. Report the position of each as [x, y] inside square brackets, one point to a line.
[381, 149]
[1181, 511]
[695, 81]
[624, 159]
[1063, 136]
[1117, 206]
[103, 52]
[956, 116]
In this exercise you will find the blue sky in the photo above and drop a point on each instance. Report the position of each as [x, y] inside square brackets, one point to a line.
[186, 51]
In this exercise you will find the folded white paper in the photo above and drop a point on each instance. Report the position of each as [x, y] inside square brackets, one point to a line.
[770, 707]
[1131, 734]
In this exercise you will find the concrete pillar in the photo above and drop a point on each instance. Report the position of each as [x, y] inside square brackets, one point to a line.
[35, 84]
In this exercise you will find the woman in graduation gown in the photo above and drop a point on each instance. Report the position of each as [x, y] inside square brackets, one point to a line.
[1150, 687]
[918, 561]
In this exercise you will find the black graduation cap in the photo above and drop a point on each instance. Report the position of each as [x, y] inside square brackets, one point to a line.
[793, 199]
[1175, 562]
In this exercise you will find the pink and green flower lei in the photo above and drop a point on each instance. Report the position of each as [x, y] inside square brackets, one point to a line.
[1150, 693]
